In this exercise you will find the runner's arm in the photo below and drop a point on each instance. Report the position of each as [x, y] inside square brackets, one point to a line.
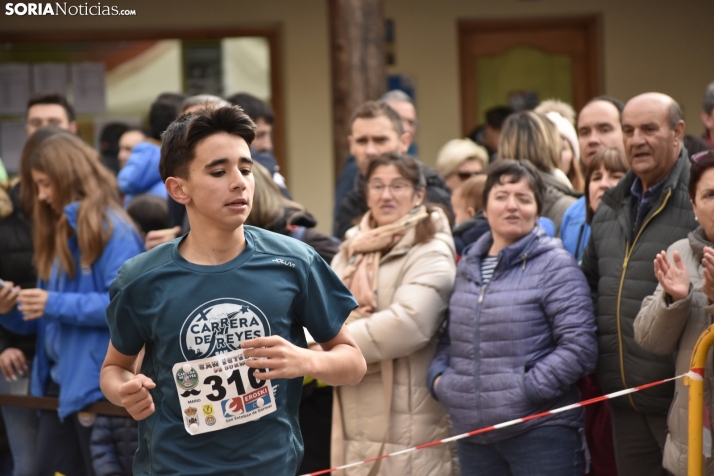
[123, 387]
[341, 363]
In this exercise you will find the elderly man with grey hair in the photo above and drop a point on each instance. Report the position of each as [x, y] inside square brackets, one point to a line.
[648, 210]
[404, 105]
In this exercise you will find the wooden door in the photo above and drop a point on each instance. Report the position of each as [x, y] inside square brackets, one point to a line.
[562, 53]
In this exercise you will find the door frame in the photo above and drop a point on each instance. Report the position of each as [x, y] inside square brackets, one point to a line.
[585, 86]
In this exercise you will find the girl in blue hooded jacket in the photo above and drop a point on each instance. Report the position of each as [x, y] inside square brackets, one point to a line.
[81, 237]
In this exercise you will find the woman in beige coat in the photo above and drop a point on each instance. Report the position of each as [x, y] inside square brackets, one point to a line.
[681, 308]
[399, 263]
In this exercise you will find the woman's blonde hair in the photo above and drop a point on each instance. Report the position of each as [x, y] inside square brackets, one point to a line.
[533, 137]
[76, 174]
[268, 203]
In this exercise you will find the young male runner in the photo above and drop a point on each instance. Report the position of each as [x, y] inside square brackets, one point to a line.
[206, 406]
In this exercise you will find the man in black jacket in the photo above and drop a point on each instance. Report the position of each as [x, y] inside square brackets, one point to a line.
[645, 213]
[377, 129]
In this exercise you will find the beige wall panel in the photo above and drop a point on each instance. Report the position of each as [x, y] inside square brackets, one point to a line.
[646, 46]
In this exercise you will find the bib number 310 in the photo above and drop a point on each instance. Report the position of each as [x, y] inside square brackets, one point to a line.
[219, 391]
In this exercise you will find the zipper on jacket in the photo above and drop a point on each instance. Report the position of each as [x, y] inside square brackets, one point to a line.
[628, 253]
[480, 296]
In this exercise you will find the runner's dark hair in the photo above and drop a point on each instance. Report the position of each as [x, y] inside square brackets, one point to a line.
[183, 135]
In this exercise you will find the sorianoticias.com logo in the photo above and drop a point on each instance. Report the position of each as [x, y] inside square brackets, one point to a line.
[62, 8]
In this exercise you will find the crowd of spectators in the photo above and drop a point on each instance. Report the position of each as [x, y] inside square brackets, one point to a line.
[514, 277]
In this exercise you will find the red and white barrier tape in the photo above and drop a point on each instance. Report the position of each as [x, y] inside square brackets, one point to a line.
[694, 374]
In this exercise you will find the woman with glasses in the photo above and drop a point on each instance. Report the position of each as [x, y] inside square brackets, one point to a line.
[459, 160]
[672, 319]
[521, 333]
[399, 264]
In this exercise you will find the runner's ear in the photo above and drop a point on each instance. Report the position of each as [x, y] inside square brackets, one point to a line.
[176, 188]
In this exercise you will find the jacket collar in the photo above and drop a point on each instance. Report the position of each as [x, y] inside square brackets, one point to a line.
[551, 181]
[71, 211]
[463, 227]
[518, 253]
[698, 240]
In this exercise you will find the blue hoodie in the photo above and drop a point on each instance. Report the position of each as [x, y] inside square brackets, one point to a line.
[141, 172]
[74, 328]
[574, 229]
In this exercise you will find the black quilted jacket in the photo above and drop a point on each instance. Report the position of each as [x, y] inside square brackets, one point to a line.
[618, 264]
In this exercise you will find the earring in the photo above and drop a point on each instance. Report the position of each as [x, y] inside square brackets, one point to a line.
[696, 218]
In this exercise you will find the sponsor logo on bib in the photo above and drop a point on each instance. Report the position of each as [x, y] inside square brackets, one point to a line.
[191, 416]
[232, 407]
[187, 380]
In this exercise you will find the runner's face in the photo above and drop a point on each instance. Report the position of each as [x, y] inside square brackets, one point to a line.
[221, 180]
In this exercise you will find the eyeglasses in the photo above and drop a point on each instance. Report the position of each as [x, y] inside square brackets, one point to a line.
[700, 155]
[395, 188]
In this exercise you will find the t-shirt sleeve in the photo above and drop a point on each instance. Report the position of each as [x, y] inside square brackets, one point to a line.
[325, 302]
[126, 336]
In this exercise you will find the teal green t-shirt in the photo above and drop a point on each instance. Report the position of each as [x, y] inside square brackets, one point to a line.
[277, 286]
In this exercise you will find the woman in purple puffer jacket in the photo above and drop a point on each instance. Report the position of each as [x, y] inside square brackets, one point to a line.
[521, 333]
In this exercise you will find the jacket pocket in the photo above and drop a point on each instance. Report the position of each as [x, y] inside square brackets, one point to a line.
[528, 389]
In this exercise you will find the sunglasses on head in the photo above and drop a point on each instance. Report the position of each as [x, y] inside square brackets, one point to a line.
[467, 175]
[700, 155]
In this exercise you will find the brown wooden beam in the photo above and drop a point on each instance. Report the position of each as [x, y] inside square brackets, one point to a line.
[359, 70]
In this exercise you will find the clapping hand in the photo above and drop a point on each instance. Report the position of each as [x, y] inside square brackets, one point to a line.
[708, 264]
[673, 276]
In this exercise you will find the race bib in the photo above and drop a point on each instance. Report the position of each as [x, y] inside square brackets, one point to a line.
[221, 391]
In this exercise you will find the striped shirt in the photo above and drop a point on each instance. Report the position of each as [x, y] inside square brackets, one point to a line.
[488, 264]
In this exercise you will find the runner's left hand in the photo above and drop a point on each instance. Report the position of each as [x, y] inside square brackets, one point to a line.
[278, 357]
